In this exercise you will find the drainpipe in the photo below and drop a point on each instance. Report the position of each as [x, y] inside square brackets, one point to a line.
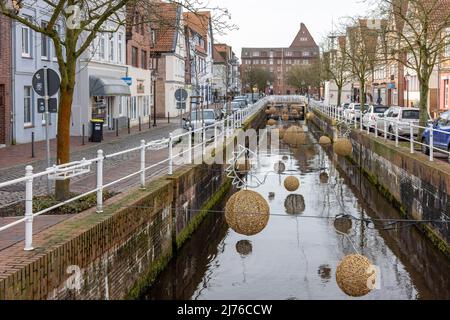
[13, 82]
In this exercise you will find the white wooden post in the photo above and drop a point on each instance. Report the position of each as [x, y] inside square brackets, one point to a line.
[143, 164]
[396, 133]
[190, 145]
[431, 143]
[411, 137]
[29, 209]
[100, 181]
[170, 155]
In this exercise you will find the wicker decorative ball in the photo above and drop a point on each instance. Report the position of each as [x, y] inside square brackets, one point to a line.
[323, 177]
[268, 112]
[299, 140]
[291, 134]
[273, 110]
[247, 212]
[295, 204]
[291, 184]
[271, 122]
[244, 247]
[309, 116]
[294, 112]
[279, 167]
[343, 147]
[285, 117]
[343, 224]
[281, 132]
[324, 141]
[355, 275]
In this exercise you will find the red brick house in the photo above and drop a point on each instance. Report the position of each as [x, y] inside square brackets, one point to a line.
[5, 81]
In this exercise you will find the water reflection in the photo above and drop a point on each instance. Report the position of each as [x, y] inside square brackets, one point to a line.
[299, 250]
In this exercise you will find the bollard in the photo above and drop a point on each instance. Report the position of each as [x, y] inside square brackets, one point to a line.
[143, 164]
[140, 127]
[32, 144]
[29, 209]
[168, 117]
[170, 155]
[100, 181]
[149, 121]
[117, 127]
[129, 126]
[83, 128]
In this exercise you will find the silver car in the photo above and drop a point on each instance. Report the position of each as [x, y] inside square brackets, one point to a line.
[403, 117]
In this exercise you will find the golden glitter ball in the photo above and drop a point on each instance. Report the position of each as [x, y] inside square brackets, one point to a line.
[244, 247]
[247, 212]
[299, 140]
[291, 184]
[271, 122]
[273, 110]
[343, 147]
[323, 177]
[309, 116]
[285, 117]
[295, 204]
[268, 112]
[281, 132]
[324, 141]
[356, 276]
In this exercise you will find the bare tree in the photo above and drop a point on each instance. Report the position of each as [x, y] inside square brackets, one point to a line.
[82, 21]
[303, 77]
[417, 39]
[256, 77]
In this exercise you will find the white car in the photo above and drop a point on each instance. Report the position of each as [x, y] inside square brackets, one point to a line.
[403, 116]
[370, 117]
[354, 111]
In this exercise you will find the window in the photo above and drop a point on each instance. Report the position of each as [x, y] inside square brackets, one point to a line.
[101, 47]
[133, 108]
[144, 59]
[26, 42]
[120, 47]
[27, 107]
[289, 53]
[45, 52]
[134, 57]
[447, 47]
[57, 29]
[121, 104]
[153, 39]
[111, 48]
[146, 106]
[306, 54]
[256, 54]
[304, 39]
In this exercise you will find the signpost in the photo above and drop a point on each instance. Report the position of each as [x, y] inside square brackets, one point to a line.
[46, 83]
[181, 96]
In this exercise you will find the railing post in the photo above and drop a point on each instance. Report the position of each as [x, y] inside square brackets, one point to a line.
[411, 137]
[385, 129]
[360, 122]
[204, 140]
[215, 135]
[431, 143]
[376, 128]
[368, 125]
[29, 209]
[170, 155]
[190, 145]
[100, 181]
[396, 133]
[143, 164]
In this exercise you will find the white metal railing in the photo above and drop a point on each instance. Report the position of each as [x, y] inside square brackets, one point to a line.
[222, 129]
[390, 129]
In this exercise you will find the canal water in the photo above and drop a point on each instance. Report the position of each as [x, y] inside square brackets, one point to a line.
[296, 255]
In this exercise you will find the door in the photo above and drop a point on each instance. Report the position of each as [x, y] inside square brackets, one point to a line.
[109, 112]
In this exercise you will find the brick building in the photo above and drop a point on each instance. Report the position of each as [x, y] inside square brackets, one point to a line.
[279, 61]
[5, 81]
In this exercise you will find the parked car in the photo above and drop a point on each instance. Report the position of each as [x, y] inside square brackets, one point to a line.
[234, 106]
[243, 100]
[404, 116]
[441, 138]
[343, 107]
[195, 119]
[354, 111]
[371, 116]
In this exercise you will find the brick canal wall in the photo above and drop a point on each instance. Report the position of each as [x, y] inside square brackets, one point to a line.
[116, 254]
[420, 189]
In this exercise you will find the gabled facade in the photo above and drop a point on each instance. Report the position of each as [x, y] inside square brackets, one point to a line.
[279, 61]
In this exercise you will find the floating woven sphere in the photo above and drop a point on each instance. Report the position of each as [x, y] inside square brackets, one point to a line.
[273, 110]
[268, 112]
[299, 140]
[285, 117]
[309, 116]
[281, 132]
[294, 112]
[244, 247]
[271, 122]
[324, 141]
[247, 212]
[279, 167]
[355, 275]
[295, 204]
[323, 177]
[343, 224]
[291, 184]
[343, 147]
[291, 134]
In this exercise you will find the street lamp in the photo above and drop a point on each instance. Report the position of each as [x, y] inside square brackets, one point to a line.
[155, 76]
[407, 76]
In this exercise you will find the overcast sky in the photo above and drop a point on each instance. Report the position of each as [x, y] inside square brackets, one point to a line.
[274, 23]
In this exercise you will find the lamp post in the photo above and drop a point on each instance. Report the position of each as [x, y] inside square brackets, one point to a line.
[407, 76]
[154, 79]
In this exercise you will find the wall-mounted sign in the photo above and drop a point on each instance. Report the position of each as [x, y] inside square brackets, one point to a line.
[140, 86]
[52, 105]
[128, 80]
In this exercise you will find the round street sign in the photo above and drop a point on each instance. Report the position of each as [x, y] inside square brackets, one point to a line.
[181, 95]
[53, 82]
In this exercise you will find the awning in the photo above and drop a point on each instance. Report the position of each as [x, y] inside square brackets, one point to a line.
[103, 86]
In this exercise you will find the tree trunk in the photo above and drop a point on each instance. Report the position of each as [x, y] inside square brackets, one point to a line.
[362, 95]
[339, 97]
[423, 108]
[62, 190]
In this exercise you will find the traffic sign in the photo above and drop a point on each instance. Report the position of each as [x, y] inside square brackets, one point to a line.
[53, 82]
[52, 105]
[181, 95]
[128, 80]
[181, 105]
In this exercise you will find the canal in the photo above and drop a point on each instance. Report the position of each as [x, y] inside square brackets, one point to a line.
[296, 255]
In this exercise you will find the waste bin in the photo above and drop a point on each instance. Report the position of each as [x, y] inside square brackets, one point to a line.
[96, 130]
